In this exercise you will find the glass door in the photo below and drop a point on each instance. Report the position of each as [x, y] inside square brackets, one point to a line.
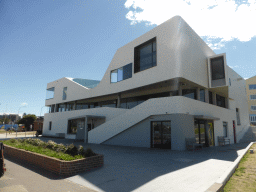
[161, 134]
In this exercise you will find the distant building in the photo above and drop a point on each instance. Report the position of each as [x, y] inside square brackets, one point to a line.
[251, 94]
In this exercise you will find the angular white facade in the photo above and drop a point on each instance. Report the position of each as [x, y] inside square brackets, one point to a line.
[159, 89]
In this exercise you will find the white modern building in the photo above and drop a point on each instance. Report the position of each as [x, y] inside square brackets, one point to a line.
[159, 89]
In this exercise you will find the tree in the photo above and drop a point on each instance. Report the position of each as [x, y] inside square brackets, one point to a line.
[27, 120]
[5, 120]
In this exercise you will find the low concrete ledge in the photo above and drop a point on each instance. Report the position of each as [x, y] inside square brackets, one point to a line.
[57, 166]
[221, 182]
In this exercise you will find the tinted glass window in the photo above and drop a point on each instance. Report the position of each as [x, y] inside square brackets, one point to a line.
[217, 68]
[220, 101]
[64, 97]
[50, 93]
[113, 76]
[252, 97]
[190, 93]
[202, 95]
[145, 56]
[127, 71]
[252, 86]
[210, 97]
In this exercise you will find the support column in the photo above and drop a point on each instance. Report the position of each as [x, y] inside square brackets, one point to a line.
[118, 101]
[198, 93]
[206, 92]
[86, 131]
[214, 98]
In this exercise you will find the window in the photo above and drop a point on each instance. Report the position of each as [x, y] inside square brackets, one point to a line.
[253, 97]
[74, 124]
[253, 107]
[64, 97]
[50, 93]
[253, 118]
[217, 68]
[145, 56]
[252, 86]
[52, 108]
[50, 125]
[61, 107]
[210, 97]
[238, 116]
[202, 95]
[121, 74]
[190, 93]
[220, 101]
[225, 129]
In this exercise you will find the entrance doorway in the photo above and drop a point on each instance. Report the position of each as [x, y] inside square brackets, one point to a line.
[161, 134]
[204, 132]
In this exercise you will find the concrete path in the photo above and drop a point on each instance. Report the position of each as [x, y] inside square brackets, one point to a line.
[20, 178]
[141, 169]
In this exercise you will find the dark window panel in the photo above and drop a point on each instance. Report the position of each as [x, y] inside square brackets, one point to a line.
[127, 71]
[217, 68]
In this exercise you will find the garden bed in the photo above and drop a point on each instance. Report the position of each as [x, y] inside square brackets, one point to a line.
[52, 164]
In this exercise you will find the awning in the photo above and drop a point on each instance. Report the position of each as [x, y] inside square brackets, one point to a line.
[206, 117]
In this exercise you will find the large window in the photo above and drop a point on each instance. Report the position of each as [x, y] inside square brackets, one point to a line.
[253, 97]
[253, 86]
[202, 95]
[64, 97]
[225, 129]
[121, 74]
[253, 118]
[253, 107]
[50, 93]
[145, 56]
[220, 101]
[217, 68]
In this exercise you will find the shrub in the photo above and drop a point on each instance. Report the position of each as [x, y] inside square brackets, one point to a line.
[61, 148]
[89, 152]
[13, 140]
[80, 150]
[72, 150]
[51, 144]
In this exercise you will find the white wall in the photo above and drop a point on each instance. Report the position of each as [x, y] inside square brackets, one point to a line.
[60, 119]
[180, 53]
[159, 106]
[139, 135]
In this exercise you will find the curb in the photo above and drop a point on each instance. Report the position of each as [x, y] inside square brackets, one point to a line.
[221, 182]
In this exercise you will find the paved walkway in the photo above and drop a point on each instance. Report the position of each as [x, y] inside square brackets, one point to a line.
[141, 169]
[20, 178]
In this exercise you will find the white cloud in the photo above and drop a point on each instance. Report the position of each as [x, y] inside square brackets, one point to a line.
[24, 104]
[224, 20]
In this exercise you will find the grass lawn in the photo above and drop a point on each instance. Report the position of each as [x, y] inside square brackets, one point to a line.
[42, 150]
[244, 178]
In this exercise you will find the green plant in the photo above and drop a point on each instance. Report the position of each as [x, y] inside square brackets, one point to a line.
[80, 150]
[88, 153]
[51, 144]
[13, 140]
[72, 150]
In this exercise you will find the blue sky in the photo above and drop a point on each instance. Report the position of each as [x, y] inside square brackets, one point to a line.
[42, 41]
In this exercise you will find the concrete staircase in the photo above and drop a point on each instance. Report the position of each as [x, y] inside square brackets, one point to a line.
[249, 136]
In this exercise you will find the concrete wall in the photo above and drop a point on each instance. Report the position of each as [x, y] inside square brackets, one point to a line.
[60, 119]
[170, 105]
[139, 135]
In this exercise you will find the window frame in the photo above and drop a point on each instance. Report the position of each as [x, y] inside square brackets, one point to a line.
[252, 86]
[137, 54]
[252, 107]
[251, 97]
[50, 125]
[120, 73]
